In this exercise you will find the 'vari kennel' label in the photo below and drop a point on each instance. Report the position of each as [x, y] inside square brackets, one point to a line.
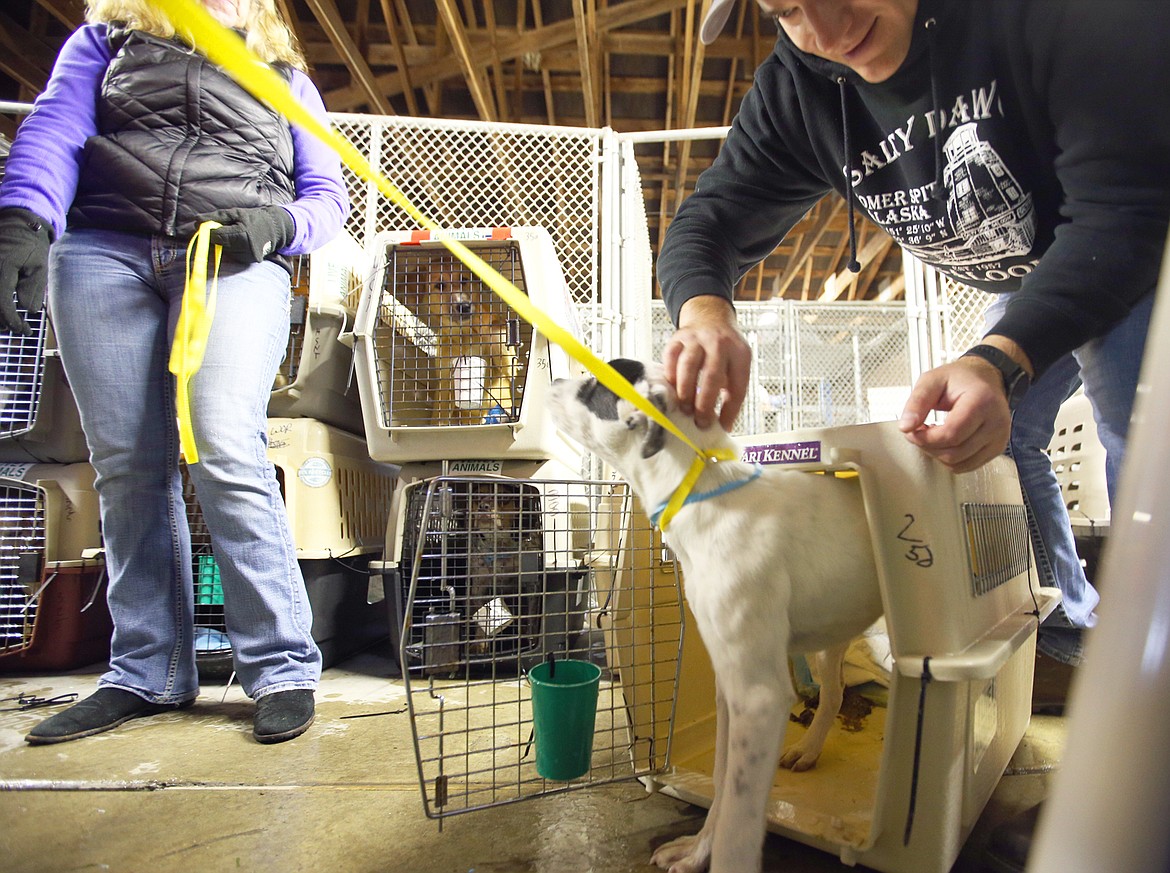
[784, 453]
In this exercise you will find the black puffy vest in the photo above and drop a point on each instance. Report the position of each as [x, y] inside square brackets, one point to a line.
[177, 138]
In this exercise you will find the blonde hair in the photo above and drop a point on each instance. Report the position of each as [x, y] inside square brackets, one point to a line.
[268, 37]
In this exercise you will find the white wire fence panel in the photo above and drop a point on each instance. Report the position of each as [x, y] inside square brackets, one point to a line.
[636, 281]
[467, 174]
[961, 309]
[817, 364]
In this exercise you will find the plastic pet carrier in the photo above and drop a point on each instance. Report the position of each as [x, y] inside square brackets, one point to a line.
[38, 416]
[52, 605]
[316, 379]
[901, 789]
[1078, 459]
[338, 502]
[445, 368]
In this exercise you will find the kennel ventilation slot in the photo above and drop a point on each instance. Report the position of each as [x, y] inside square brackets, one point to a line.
[997, 544]
[501, 574]
[445, 368]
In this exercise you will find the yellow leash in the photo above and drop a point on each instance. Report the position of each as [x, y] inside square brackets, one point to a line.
[225, 48]
[192, 330]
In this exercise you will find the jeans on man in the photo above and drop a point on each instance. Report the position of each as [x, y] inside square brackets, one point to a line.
[1108, 367]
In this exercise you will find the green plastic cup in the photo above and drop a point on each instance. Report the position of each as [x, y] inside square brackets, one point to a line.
[564, 708]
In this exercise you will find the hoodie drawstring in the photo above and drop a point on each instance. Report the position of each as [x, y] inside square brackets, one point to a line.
[931, 36]
[853, 264]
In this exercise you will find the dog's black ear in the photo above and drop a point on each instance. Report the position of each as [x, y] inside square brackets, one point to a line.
[655, 433]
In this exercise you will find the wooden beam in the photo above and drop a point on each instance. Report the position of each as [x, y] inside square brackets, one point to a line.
[540, 39]
[837, 283]
[489, 18]
[399, 56]
[823, 213]
[694, 69]
[359, 71]
[25, 57]
[870, 271]
[581, 18]
[545, 76]
[71, 13]
[480, 94]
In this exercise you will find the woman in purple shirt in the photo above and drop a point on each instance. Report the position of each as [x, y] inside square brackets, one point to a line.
[137, 140]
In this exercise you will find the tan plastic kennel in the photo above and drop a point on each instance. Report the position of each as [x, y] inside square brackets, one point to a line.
[338, 498]
[316, 378]
[445, 368]
[902, 792]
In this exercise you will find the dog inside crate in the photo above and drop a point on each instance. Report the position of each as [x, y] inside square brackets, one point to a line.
[474, 554]
[449, 350]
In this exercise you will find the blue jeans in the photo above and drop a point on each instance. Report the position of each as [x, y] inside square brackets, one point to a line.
[1109, 367]
[114, 299]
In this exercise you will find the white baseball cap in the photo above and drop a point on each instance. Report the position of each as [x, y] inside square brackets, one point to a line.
[715, 20]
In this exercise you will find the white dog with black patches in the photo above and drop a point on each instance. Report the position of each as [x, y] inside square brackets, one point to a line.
[774, 562]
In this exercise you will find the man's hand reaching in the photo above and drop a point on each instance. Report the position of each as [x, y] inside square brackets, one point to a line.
[978, 422]
[708, 361]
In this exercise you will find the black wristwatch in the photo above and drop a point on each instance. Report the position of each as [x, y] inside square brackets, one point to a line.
[1016, 380]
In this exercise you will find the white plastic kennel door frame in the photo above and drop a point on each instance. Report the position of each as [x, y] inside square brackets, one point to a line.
[470, 705]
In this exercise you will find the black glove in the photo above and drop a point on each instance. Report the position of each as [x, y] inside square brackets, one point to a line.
[24, 261]
[251, 235]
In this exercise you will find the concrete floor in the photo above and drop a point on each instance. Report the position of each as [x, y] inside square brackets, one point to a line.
[191, 791]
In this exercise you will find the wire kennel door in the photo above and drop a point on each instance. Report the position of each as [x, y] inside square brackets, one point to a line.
[448, 350]
[38, 417]
[22, 552]
[21, 372]
[502, 574]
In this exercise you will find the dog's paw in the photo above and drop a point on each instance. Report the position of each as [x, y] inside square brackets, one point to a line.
[685, 855]
[799, 756]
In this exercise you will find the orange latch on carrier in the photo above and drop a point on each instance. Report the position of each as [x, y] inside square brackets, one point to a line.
[493, 233]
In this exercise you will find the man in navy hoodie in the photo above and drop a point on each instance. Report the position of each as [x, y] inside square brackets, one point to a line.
[1020, 147]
